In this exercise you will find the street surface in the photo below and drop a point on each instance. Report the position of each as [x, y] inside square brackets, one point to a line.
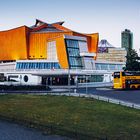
[11, 131]
[132, 96]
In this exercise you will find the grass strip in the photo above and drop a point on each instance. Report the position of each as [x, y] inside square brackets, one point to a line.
[80, 118]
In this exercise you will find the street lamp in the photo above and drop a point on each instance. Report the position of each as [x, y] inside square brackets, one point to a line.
[86, 84]
[69, 79]
[87, 76]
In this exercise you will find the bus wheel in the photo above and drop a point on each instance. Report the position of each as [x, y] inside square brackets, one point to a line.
[138, 87]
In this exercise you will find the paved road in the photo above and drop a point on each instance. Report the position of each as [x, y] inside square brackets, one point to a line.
[125, 95]
[10, 131]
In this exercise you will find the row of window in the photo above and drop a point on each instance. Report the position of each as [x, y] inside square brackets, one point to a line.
[72, 43]
[73, 52]
[75, 61]
[37, 65]
[108, 67]
[92, 78]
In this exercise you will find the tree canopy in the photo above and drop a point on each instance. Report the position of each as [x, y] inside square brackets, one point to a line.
[132, 61]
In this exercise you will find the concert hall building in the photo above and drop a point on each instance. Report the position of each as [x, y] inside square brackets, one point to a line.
[47, 52]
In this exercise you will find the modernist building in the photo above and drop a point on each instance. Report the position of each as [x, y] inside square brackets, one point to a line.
[48, 42]
[127, 39]
[107, 52]
[48, 53]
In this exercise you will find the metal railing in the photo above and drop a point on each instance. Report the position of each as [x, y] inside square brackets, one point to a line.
[101, 98]
[66, 92]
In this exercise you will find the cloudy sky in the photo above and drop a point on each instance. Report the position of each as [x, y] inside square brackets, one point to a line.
[107, 17]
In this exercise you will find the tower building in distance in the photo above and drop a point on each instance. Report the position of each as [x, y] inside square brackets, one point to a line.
[127, 39]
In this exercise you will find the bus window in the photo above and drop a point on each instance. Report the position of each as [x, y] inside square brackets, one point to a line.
[116, 74]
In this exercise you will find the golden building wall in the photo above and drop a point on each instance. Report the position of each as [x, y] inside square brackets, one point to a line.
[93, 47]
[21, 43]
[38, 44]
[61, 52]
[13, 44]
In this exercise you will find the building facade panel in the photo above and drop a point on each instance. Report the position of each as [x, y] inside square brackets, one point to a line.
[61, 52]
[92, 41]
[38, 44]
[14, 44]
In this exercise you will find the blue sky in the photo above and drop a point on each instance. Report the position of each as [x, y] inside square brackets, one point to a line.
[107, 17]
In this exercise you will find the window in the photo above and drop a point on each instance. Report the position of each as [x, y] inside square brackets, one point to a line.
[37, 65]
[98, 66]
[104, 66]
[83, 46]
[51, 50]
[73, 53]
[25, 78]
[112, 67]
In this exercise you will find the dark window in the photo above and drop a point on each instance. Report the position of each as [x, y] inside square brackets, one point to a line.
[116, 74]
[130, 73]
[26, 78]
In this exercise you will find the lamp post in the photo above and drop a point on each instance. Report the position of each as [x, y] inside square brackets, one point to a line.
[87, 77]
[86, 84]
[69, 79]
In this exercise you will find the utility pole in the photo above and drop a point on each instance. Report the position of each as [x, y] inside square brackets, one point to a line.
[69, 79]
[86, 84]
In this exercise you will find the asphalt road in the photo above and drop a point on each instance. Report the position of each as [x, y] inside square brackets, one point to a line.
[132, 96]
[11, 131]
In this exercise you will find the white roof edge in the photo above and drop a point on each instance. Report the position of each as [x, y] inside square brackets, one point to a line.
[87, 54]
[47, 60]
[75, 37]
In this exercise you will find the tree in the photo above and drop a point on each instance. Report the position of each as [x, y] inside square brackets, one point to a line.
[132, 61]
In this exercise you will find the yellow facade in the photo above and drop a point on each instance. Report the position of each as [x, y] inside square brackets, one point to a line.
[31, 42]
[92, 41]
[61, 51]
[38, 44]
[13, 44]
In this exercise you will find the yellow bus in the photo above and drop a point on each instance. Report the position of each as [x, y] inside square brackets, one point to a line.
[126, 80]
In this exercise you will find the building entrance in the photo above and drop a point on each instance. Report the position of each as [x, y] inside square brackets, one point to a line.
[57, 80]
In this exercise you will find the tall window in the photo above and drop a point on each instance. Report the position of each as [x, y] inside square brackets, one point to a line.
[83, 46]
[73, 53]
[51, 50]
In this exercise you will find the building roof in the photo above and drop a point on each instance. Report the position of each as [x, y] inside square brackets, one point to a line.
[105, 44]
[41, 26]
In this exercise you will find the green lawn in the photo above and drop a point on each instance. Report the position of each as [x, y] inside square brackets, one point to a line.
[82, 115]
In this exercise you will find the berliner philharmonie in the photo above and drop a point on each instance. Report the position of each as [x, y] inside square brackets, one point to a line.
[51, 54]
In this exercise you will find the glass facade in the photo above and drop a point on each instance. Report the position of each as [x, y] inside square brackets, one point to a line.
[91, 78]
[51, 51]
[73, 53]
[83, 46]
[89, 63]
[37, 65]
[102, 66]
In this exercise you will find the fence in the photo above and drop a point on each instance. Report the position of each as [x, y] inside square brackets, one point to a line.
[101, 98]
[66, 93]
